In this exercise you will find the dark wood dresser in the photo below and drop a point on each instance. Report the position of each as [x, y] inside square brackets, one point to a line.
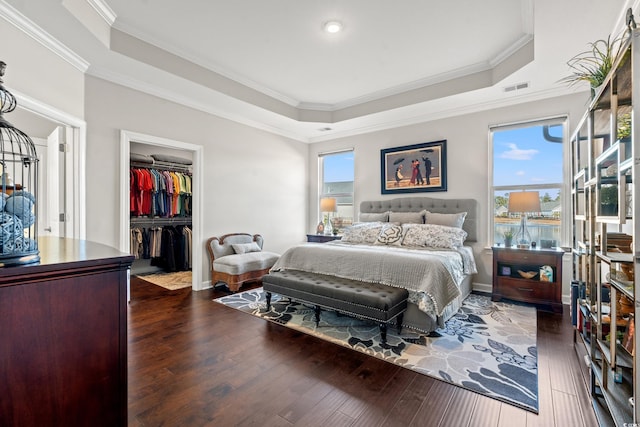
[63, 327]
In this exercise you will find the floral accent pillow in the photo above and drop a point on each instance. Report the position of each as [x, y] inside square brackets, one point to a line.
[391, 234]
[362, 233]
[433, 236]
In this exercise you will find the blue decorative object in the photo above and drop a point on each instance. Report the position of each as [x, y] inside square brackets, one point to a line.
[11, 235]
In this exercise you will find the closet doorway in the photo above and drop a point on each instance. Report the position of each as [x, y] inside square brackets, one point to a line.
[132, 142]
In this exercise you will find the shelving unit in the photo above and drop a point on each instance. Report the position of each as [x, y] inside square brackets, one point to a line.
[606, 232]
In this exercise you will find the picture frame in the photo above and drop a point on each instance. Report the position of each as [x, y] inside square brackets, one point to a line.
[404, 169]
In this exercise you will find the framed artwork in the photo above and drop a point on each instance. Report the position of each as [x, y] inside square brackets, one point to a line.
[414, 168]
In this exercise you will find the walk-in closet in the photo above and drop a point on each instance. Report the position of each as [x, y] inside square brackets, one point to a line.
[161, 209]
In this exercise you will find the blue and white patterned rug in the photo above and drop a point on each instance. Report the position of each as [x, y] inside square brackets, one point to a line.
[487, 347]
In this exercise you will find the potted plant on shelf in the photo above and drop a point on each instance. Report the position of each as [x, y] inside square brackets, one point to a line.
[508, 238]
[624, 127]
[609, 200]
[593, 65]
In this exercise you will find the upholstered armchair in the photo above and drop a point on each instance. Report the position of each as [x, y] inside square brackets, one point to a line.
[238, 258]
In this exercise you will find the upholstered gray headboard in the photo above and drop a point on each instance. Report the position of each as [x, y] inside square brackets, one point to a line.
[416, 204]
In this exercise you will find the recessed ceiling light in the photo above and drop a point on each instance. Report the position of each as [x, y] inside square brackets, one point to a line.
[333, 27]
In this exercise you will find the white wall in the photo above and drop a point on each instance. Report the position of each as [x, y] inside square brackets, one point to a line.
[467, 157]
[255, 182]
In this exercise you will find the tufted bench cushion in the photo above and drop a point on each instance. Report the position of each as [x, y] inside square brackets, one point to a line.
[360, 299]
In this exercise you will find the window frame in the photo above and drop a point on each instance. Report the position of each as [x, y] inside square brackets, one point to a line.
[564, 185]
[321, 183]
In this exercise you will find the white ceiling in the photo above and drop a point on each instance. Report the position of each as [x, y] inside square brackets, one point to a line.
[269, 64]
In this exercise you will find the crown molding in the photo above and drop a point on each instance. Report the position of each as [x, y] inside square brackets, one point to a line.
[211, 67]
[28, 27]
[104, 10]
[446, 113]
[163, 93]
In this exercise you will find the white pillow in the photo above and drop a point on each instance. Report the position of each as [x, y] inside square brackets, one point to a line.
[391, 234]
[243, 248]
[433, 236]
[407, 217]
[362, 233]
[450, 220]
[374, 217]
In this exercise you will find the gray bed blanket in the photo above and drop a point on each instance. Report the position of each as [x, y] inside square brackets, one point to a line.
[432, 277]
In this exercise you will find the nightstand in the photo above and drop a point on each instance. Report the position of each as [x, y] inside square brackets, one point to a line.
[321, 238]
[533, 285]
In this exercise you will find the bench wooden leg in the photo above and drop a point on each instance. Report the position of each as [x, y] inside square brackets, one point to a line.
[317, 310]
[268, 297]
[383, 332]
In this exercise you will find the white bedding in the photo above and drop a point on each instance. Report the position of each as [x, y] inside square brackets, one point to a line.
[432, 276]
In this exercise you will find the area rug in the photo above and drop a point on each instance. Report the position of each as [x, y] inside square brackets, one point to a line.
[487, 347]
[171, 281]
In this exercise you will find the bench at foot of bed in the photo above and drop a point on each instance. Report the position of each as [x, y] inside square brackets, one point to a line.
[371, 301]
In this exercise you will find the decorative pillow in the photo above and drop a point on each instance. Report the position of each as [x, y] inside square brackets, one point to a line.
[374, 217]
[391, 234]
[243, 248]
[450, 220]
[407, 217]
[433, 236]
[363, 233]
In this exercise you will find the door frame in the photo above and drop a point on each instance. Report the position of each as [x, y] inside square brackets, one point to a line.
[75, 177]
[126, 138]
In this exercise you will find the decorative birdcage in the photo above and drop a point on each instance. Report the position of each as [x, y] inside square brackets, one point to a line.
[19, 181]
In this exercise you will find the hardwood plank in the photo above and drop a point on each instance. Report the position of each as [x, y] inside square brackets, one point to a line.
[435, 405]
[511, 416]
[460, 410]
[485, 413]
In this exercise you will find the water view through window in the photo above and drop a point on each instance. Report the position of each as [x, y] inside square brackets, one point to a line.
[528, 158]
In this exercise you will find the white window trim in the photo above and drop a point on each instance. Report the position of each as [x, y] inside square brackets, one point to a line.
[565, 187]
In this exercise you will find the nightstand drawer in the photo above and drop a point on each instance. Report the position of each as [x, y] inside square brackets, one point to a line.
[526, 290]
[527, 257]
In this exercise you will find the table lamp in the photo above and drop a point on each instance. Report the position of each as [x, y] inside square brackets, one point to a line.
[524, 202]
[328, 204]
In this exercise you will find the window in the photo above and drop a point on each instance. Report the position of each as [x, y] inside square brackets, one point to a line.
[336, 181]
[529, 157]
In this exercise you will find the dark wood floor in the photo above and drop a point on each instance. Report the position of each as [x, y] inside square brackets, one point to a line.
[193, 362]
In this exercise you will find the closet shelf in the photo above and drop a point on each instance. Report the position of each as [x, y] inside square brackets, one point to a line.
[176, 220]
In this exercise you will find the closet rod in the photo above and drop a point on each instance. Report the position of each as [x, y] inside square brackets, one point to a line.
[178, 167]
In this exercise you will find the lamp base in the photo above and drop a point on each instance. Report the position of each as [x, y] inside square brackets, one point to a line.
[328, 229]
[523, 237]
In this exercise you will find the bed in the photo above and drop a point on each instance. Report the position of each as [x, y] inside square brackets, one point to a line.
[388, 246]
